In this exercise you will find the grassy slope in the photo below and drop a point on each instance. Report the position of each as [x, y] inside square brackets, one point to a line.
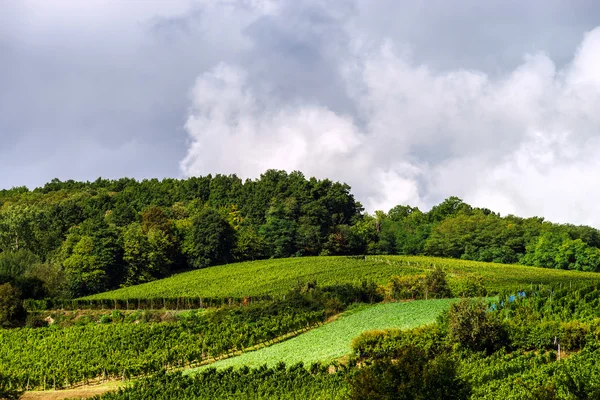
[279, 275]
[332, 340]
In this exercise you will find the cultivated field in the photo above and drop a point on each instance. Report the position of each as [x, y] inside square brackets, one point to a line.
[332, 340]
[277, 276]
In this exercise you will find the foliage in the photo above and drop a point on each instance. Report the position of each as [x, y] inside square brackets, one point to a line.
[411, 376]
[382, 344]
[433, 284]
[209, 240]
[276, 277]
[471, 326]
[472, 286]
[407, 287]
[54, 356]
[12, 312]
[106, 234]
[278, 382]
[7, 392]
[333, 340]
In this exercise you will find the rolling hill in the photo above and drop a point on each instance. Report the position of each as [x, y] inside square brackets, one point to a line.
[277, 276]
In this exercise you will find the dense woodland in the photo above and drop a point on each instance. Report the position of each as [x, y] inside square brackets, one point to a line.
[70, 239]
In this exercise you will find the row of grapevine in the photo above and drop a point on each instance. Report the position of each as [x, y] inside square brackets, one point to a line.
[295, 382]
[53, 357]
[277, 276]
[165, 303]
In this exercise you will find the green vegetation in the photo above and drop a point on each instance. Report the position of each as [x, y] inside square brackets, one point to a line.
[258, 248]
[333, 340]
[56, 357]
[277, 383]
[74, 239]
[277, 276]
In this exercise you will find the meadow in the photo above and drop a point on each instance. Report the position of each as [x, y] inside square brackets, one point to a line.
[332, 340]
[278, 276]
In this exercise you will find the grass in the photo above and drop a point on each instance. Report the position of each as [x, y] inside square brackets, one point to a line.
[332, 340]
[277, 276]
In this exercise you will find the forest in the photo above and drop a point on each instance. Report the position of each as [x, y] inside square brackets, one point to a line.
[72, 239]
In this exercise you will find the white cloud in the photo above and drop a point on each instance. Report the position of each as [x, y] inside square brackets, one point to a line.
[521, 143]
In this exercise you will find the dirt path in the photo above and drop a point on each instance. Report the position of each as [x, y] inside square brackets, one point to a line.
[83, 392]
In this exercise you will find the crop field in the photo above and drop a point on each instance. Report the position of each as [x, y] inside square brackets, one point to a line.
[277, 276]
[333, 340]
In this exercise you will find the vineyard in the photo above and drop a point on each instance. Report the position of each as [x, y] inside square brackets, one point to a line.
[238, 349]
[277, 276]
[58, 357]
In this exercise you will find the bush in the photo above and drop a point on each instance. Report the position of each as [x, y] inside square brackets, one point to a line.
[436, 285]
[407, 287]
[389, 343]
[431, 285]
[410, 376]
[35, 321]
[12, 312]
[472, 326]
[472, 286]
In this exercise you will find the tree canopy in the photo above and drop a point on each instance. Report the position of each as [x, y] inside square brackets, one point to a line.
[75, 238]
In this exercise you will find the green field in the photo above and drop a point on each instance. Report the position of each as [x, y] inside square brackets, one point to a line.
[332, 340]
[277, 276]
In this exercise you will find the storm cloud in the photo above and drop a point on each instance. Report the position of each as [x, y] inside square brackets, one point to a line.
[408, 102]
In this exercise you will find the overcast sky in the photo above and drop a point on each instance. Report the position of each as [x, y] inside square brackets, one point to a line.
[409, 102]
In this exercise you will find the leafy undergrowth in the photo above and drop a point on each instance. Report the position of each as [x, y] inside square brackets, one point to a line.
[332, 340]
[277, 276]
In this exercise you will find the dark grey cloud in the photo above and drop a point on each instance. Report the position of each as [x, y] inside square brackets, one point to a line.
[409, 101]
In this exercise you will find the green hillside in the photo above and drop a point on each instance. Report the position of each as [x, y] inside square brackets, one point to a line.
[332, 340]
[277, 276]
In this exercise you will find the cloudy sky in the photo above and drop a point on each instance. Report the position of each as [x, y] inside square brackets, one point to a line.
[409, 102]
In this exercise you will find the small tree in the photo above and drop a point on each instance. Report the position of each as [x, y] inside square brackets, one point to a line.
[12, 312]
[436, 284]
[411, 376]
[472, 326]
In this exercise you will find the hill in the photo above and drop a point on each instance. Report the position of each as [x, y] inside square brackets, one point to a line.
[277, 276]
[74, 239]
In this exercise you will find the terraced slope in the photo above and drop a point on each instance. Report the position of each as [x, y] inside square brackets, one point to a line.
[332, 340]
[276, 276]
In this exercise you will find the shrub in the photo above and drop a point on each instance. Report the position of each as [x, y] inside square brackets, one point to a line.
[12, 312]
[411, 375]
[389, 343]
[431, 285]
[472, 286]
[436, 285]
[35, 321]
[472, 326]
[407, 287]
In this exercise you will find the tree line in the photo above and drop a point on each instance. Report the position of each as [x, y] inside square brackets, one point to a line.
[70, 239]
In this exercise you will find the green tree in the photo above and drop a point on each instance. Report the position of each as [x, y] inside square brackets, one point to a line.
[12, 312]
[410, 376]
[209, 239]
[92, 258]
[470, 325]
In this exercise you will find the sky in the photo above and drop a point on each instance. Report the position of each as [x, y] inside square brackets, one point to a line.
[409, 102]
